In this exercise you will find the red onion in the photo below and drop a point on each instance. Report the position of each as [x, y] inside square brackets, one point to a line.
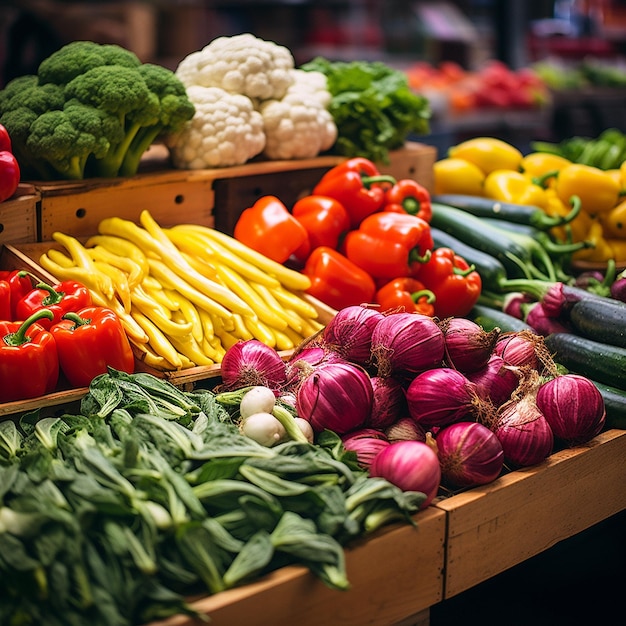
[349, 333]
[366, 443]
[523, 349]
[441, 396]
[335, 396]
[304, 360]
[496, 381]
[573, 407]
[252, 362]
[470, 454]
[523, 431]
[410, 466]
[405, 429]
[407, 343]
[389, 402]
[468, 345]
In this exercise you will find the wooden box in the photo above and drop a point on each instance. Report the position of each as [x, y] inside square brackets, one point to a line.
[394, 574]
[495, 527]
[18, 216]
[212, 197]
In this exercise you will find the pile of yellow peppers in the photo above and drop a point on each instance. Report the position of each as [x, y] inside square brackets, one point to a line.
[492, 168]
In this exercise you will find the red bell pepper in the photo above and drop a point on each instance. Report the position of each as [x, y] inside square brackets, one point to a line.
[336, 281]
[388, 245]
[89, 341]
[269, 228]
[5, 140]
[358, 185]
[9, 167]
[407, 294]
[20, 284]
[454, 282]
[5, 302]
[325, 220]
[66, 296]
[29, 364]
[408, 196]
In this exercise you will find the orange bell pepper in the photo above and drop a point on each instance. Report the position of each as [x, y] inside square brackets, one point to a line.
[269, 228]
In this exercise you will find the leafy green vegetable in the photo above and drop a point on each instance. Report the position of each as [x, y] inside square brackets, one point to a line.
[153, 495]
[373, 107]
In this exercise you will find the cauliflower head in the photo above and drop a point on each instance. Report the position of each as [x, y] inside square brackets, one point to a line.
[299, 126]
[225, 130]
[242, 64]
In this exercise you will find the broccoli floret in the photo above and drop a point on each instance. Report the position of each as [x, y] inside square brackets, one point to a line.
[15, 86]
[175, 108]
[118, 91]
[79, 57]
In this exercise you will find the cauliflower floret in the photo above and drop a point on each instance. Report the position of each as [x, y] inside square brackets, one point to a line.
[225, 130]
[299, 126]
[242, 64]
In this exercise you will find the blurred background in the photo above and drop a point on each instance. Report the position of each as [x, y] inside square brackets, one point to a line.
[471, 58]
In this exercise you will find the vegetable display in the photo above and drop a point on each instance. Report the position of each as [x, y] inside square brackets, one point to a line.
[91, 110]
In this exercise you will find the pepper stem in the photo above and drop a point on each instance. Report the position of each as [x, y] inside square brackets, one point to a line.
[423, 293]
[19, 337]
[381, 178]
[77, 319]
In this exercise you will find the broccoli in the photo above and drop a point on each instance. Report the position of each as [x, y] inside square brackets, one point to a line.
[92, 110]
[78, 57]
[175, 109]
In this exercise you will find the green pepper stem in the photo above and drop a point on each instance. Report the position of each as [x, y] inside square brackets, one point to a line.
[381, 178]
[423, 293]
[19, 337]
[77, 319]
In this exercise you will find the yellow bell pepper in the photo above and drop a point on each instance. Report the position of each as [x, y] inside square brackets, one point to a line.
[511, 186]
[602, 250]
[618, 176]
[538, 164]
[597, 190]
[619, 249]
[575, 230]
[614, 222]
[458, 176]
[488, 153]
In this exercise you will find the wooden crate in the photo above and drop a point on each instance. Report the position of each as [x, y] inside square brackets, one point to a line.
[395, 574]
[495, 527]
[18, 216]
[212, 197]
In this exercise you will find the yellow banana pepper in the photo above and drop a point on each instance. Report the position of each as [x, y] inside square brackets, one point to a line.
[458, 176]
[538, 164]
[511, 186]
[575, 230]
[614, 222]
[597, 190]
[488, 153]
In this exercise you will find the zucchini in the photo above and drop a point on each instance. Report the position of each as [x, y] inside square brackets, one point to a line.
[490, 318]
[507, 211]
[515, 251]
[614, 404]
[492, 272]
[593, 359]
[600, 319]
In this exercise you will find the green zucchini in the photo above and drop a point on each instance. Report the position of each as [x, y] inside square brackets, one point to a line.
[600, 319]
[490, 318]
[515, 251]
[593, 359]
[506, 211]
[614, 404]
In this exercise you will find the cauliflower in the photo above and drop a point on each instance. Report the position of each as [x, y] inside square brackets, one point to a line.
[242, 64]
[225, 130]
[299, 126]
